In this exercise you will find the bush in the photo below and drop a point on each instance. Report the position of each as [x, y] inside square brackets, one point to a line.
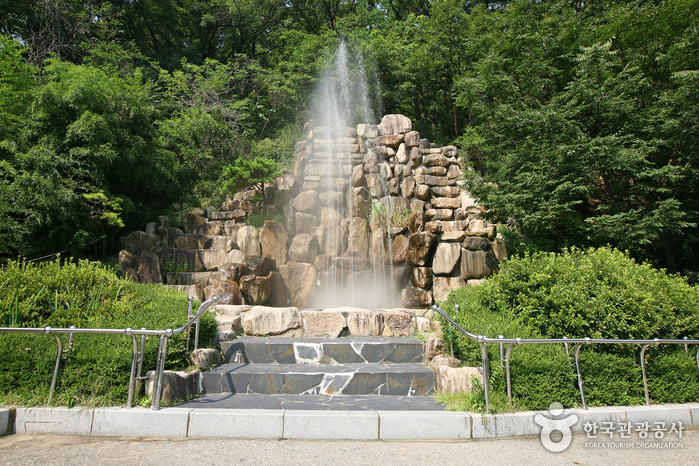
[597, 293]
[96, 370]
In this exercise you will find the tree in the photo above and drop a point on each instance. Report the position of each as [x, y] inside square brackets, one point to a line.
[249, 173]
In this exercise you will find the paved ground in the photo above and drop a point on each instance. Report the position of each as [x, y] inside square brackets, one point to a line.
[78, 450]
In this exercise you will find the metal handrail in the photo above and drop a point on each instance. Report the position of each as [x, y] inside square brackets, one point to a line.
[137, 357]
[482, 341]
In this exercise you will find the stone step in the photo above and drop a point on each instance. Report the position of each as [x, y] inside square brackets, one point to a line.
[345, 350]
[322, 379]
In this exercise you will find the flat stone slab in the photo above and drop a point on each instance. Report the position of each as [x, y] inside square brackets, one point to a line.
[323, 379]
[341, 417]
[348, 350]
[315, 402]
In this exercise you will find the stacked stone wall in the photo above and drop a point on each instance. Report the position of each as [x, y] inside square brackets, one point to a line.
[328, 233]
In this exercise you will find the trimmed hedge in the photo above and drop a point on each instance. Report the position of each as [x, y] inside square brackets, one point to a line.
[600, 293]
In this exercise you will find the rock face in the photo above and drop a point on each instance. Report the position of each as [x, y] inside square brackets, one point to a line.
[264, 321]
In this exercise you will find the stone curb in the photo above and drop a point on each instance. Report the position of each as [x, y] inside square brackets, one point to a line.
[323, 425]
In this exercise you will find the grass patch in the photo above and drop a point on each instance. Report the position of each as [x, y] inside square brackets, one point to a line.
[87, 295]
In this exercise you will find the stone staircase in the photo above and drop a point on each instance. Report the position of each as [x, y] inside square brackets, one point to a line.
[376, 366]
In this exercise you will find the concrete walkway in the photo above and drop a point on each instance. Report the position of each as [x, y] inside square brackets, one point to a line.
[665, 423]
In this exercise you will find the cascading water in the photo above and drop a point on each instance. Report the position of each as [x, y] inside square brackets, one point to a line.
[342, 101]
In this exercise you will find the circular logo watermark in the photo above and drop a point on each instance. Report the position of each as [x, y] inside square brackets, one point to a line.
[551, 426]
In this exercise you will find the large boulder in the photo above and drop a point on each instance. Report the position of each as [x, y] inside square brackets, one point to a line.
[457, 379]
[421, 248]
[446, 258]
[227, 291]
[331, 239]
[357, 237]
[248, 240]
[205, 358]
[307, 201]
[261, 265]
[127, 260]
[149, 268]
[262, 321]
[280, 295]
[190, 219]
[445, 285]
[213, 258]
[256, 289]
[358, 202]
[300, 280]
[421, 277]
[416, 297]
[176, 385]
[273, 239]
[304, 248]
[477, 264]
[139, 241]
[395, 124]
[363, 323]
[398, 322]
[328, 324]
[399, 249]
[235, 256]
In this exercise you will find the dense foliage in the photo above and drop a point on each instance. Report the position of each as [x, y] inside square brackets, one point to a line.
[87, 295]
[580, 118]
[596, 293]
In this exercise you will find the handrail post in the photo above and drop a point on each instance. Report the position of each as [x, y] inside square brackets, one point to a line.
[643, 370]
[132, 374]
[59, 353]
[189, 316]
[137, 388]
[697, 357]
[507, 368]
[156, 377]
[486, 375]
[502, 357]
[160, 370]
[577, 368]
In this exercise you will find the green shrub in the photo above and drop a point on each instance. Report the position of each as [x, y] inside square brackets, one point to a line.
[258, 220]
[96, 370]
[597, 293]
